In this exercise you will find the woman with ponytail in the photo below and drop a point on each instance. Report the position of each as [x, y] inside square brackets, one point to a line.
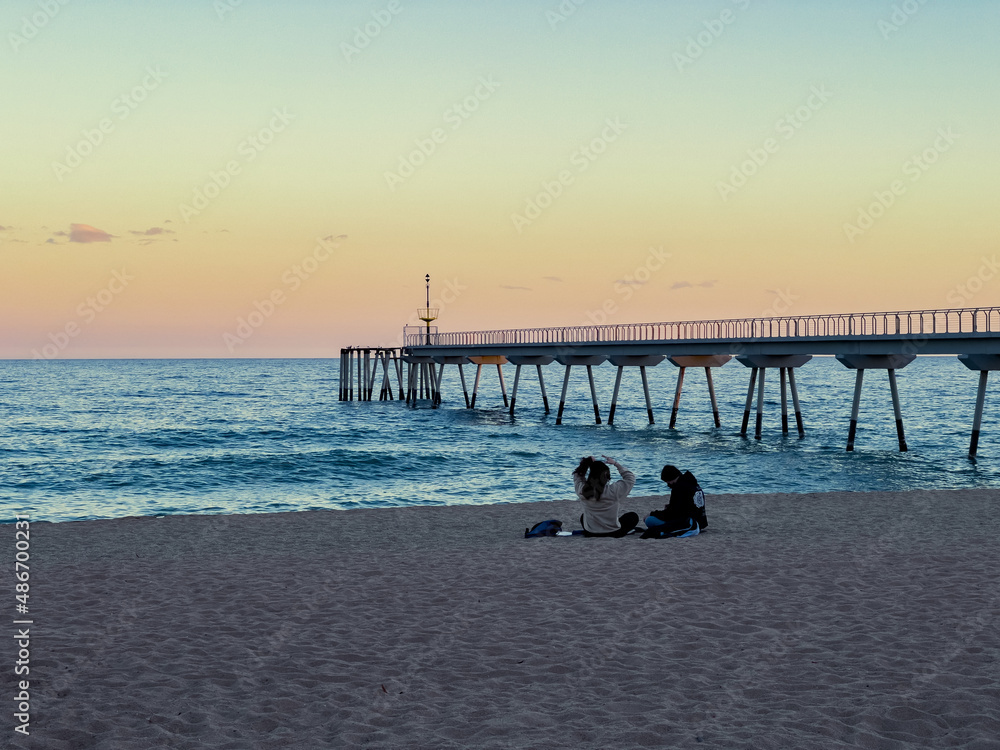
[600, 497]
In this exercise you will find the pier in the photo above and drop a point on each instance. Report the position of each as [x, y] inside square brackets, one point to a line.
[886, 341]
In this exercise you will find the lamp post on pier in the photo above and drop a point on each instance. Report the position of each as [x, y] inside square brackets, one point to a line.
[428, 313]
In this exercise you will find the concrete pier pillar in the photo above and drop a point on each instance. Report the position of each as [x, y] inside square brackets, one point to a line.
[503, 385]
[760, 404]
[645, 392]
[795, 403]
[513, 393]
[897, 412]
[562, 398]
[541, 385]
[984, 363]
[784, 401]
[614, 395]
[465, 389]
[711, 395]
[677, 397]
[475, 385]
[855, 408]
[746, 409]
[593, 394]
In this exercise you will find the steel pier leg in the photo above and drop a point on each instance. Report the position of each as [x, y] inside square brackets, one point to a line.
[593, 394]
[784, 402]
[541, 383]
[897, 410]
[475, 386]
[760, 404]
[614, 396]
[746, 410]
[465, 391]
[437, 384]
[795, 402]
[513, 393]
[677, 397]
[978, 419]
[562, 400]
[711, 394]
[854, 410]
[645, 390]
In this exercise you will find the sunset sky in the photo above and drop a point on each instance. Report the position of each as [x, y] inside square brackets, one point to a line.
[179, 174]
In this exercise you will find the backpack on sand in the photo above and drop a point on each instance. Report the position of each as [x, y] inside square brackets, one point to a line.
[543, 528]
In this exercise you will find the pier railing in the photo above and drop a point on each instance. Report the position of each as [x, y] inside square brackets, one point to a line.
[917, 323]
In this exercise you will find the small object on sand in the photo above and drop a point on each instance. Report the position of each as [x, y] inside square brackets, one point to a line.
[384, 690]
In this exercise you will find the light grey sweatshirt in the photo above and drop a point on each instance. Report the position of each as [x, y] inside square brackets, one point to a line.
[601, 516]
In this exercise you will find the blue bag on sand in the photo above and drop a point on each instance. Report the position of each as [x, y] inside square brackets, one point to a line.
[543, 528]
[666, 532]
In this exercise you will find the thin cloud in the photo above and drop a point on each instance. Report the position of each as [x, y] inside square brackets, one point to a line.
[681, 285]
[708, 284]
[51, 241]
[331, 238]
[551, 278]
[508, 286]
[3, 228]
[85, 233]
[152, 231]
[629, 282]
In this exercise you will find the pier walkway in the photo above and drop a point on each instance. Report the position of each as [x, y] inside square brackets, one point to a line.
[860, 341]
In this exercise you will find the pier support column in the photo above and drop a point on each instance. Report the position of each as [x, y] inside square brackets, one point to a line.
[541, 385]
[862, 362]
[465, 390]
[593, 394]
[645, 391]
[984, 363]
[855, 408]
[503, 385]
[977, 419]
[513, 393]
[760, 404]
[475, 386]
[614, 395]
[437, 384]
[897, 412]
[746, 409]
[795, 403]
[784, 402]
[562, 398]
[711, 395]
[677, 397]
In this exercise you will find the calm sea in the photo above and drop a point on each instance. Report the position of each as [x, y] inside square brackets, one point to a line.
[104, 439]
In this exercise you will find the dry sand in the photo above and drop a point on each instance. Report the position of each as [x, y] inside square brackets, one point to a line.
[796, 621]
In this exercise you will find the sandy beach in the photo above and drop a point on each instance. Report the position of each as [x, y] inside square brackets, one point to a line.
[796, 621]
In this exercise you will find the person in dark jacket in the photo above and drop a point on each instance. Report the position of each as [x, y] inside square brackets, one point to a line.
[686, 504]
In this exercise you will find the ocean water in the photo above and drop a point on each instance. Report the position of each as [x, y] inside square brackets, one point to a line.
[105, 439]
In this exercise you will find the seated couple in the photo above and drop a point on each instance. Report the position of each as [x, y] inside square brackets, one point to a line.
[600, 497]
